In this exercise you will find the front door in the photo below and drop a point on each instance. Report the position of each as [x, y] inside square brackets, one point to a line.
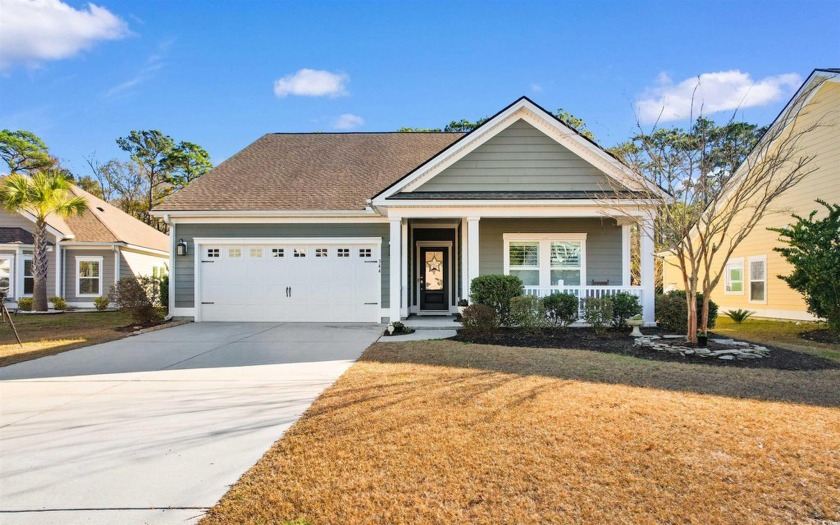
[434, 279]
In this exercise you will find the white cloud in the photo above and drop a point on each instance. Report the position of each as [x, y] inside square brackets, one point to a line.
[312, 83]
[154, 63]
[348, 121]
[712, 92]
[32, 31]
[536, 88]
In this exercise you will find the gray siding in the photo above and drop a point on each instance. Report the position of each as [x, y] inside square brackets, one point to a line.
[184, 270]
[519, 158]
[69, 257]
[603, 243]
[14, 220]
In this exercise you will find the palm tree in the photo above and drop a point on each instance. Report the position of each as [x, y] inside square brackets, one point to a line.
[41, 194]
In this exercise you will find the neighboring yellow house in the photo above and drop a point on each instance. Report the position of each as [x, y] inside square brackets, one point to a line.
[751, 280]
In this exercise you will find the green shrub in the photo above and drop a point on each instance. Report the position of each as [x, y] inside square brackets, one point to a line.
[101, 303]
[561, 309]
[527, 312]
[139, 296]
[672, 312]
[479, 318]
[598, 312]
[58, 302]
[25, 304]
[163, 290]
[496, 291]
[625, 306]
[739, 316]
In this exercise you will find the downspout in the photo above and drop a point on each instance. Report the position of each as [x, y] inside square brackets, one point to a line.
[59, 276]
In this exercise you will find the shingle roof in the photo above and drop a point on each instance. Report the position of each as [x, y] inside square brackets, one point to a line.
[309, 171]
[15, 236]
[102, 222]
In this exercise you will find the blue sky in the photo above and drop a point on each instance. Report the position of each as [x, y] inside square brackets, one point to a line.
[208, 72]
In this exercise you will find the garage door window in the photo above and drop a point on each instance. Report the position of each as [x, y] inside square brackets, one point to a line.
[343, 252]
[300, 252]
[277, 252]
[256, 253]
[213, 253]
[234, 253]
[321, 252]
[364, 253]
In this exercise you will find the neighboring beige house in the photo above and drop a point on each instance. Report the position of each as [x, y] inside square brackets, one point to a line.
[87, 253]
[751, 278]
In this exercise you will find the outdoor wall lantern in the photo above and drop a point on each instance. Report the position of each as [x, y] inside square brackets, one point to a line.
[181, 248]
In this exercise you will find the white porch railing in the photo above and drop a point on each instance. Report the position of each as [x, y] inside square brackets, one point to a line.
[582, 292]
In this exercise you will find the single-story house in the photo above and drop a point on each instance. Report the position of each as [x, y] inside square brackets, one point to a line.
[751, 275]
[87, 253]
[366, 227]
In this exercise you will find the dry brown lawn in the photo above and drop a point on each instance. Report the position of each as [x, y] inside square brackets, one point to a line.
[44, 335]
[444, 432]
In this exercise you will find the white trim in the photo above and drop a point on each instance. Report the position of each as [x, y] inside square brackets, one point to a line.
[116, 267]
[465, 282]
[473, 248]
[262, 213]
[89, 258]
[21, 280]
[171, 306]
[59, 277]
[781, 315]
[404, 251]
[377, 219]
[521, 109]
[544, 261]
[449, 249]
[647, 269]
[182, 312]
[726, 280]
[600, 204]
[58, 234]
[750, 280]
[479, 211]
[395, 243]
[626, 259]
[286, 240]
[79, 245]
[12, 274]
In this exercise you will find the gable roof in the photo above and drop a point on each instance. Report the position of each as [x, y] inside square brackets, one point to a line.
[309, 171]
[15, 236]
[534, 114]
[104, 223]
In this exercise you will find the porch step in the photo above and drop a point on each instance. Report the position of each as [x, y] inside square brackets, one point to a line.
[432, 323]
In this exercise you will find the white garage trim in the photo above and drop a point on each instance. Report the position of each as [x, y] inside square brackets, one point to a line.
[200, 243]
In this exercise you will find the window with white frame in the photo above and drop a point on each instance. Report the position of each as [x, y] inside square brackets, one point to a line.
[28, 275]
[343, 252]
[546, 259]
[734, 277]
[758, 279]
[234, 253]
[88, 276]
[321, 252]
[6, 276]
[212, 253]
[255, 252]
[277, 253]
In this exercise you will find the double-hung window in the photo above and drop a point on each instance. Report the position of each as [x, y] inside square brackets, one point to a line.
[734, 277]
[758, 279]
[28, 275]
[546, 259]
[88, 276]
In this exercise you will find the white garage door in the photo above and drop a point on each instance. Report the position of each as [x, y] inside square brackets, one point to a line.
[297, 282]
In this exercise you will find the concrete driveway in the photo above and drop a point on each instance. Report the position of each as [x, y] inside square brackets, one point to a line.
[155, 428]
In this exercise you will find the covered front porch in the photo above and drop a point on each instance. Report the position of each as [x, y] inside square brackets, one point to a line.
[435, 257]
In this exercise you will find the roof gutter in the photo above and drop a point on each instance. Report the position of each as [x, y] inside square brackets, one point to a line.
[167, 214]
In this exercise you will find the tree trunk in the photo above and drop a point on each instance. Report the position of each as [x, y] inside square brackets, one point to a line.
[39, 268]
[691, 303]
[704, 319]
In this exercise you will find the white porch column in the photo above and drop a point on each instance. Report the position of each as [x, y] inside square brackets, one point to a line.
[395, 277]
[472, 249]
[404, 270]
[465, 275]
[625, 255]
[647, 260]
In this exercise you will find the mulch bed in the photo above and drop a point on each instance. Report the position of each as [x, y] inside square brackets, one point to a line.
[820, 336]
[620, 342]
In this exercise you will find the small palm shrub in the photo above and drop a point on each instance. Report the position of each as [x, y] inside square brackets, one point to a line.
[101, 303]
[739, 316]
[58, 303]
[527, 312]
[479, 318]
[598, 312]
[25, 304]
[496, 291]
[625, 306]
[561, 309]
